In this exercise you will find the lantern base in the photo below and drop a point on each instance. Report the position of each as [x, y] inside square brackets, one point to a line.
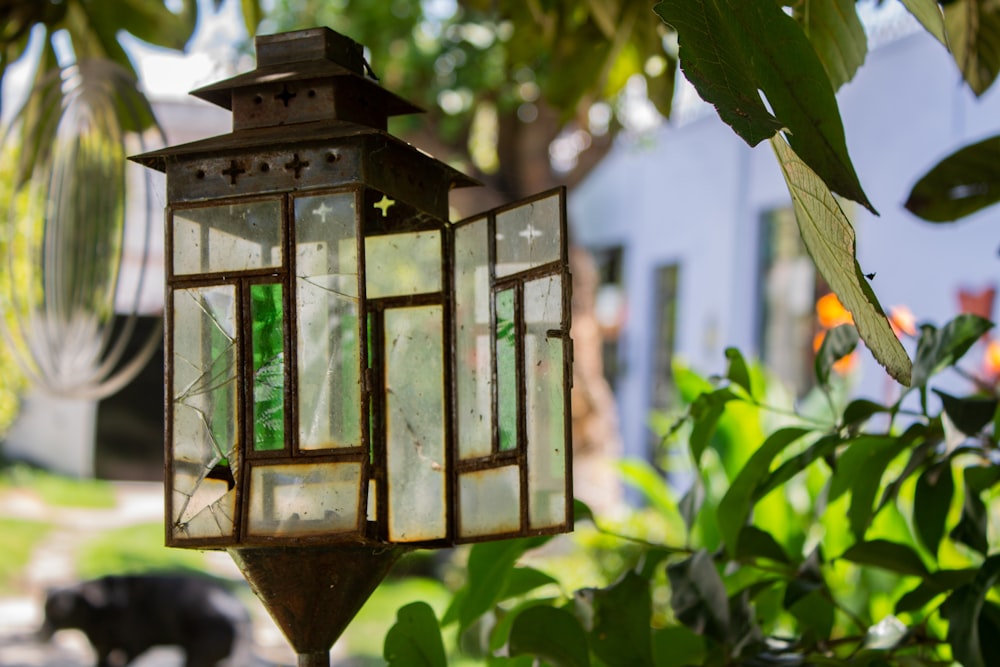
[313, 593]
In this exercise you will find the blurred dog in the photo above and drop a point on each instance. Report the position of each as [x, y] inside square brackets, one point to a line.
[125, 615]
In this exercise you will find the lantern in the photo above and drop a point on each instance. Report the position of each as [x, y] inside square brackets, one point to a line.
[349, 374]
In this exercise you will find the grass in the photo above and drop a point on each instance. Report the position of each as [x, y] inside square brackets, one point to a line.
[20, 537]
[58, 490]
[132, 549]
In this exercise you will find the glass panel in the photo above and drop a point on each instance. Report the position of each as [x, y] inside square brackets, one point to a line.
[267, 315]
[403, 264]
[528, 236]
[326, 297]
[490, 501]
[507, 399]
[472, 340]
[232, 237]
[205, 414]
[414, 402]
[304, 499]
[545, 404]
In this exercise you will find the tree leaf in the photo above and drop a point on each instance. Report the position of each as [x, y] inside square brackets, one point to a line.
[415, 639]
[860, 469]
[829, 238]
[252, 15]
[837, 343]
[861, 410]
[972, 526]
[698, 596]
[815, 612]
[887, 555]
[928, 12]
[731, 49]
[706, 411]
[970, 414]
[962, 609]
[940, 348]
[678, 646]
[835, 31]
[932, 498]
[756, 543]
[973, 29]
[966, 181]
[737, 371]
[939, 582]
[525, 579]
[793, 466]
[552, 634]
[735, 507]
[153, 22]
[621, 630]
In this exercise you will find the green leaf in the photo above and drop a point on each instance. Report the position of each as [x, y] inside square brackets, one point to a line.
[835, 31]
[154, 23]
[860, 469]
[940, 348]
[963, 608]
[887, 555]
[525, 579]
[829, 238]
[973, 524]
[415, 639]
[582, 512]
[966, 181]
[621, 622]
[861, 410]
[932, 498]
[814, 611]
[735, 507]
[691, 501]
[756, 543]
[678, 646]
[928, 12]
[938, 583]
[706, 411]
[973, 29]
[737, 372]
[731, 49]
[793, 466]
[252, 15]
[837, 343]
[551, 634]
[970, 414]
[698, 596]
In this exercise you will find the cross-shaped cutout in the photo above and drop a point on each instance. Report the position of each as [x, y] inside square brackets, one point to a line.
[296, 165]
[530, 232]
[285, 95]
[322, 210]
[233, 171]
[383, 204]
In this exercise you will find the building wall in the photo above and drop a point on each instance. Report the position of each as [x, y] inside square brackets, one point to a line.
[694, 195]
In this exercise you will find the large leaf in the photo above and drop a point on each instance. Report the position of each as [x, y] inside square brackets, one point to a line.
[415, 639]
[973, 524]
[961, 184]
[698, 596]
[837, 343]
[153, 22]
[620, 634]
[860, 468]
[963, 608]
[836, 33]
[829, 238]
[678, 646]
[973, 28]
[970, 413]
[887, 555]
[928, 12]
[940, 348]
[735, 507]
[731, 49]
[931, 501]
[552, 634]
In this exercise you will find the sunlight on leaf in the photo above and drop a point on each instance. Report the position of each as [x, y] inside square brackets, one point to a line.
[836, 33]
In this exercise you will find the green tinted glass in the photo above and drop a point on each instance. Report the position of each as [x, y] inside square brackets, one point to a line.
[267, 337]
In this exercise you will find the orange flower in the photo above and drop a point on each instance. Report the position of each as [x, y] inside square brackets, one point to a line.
[991, 359]
[902, 321]
[831, 312]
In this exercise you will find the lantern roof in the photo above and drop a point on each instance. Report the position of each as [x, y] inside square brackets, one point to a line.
[316, 53]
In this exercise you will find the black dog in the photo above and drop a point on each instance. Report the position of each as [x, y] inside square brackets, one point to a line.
[124, 616]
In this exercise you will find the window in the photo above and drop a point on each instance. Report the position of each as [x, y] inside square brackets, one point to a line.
[665, 335]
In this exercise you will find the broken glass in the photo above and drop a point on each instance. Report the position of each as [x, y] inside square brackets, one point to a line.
[205, 411]
[326, 293]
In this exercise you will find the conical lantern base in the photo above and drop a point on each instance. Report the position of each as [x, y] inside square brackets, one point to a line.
[313, 593]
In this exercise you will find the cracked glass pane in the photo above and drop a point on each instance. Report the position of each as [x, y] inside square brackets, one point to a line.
[304, 499]
[414, 406]
[544, 403]
[205, 412]
[528, 236]
[403, 264]
[472, 340]
[267, 316]
[507, 394]
[231, 237]
[326, 299]
[491, 502]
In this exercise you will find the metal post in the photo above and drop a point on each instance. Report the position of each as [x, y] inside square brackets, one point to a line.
[316, 659]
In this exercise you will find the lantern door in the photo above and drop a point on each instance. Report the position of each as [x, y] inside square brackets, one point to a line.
[512, 371]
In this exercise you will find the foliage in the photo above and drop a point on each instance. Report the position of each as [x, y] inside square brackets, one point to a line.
[57, 490]
[131, 549]
[852, 533]
[20, 537]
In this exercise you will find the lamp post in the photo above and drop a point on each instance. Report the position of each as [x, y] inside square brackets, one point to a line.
[349, 375]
